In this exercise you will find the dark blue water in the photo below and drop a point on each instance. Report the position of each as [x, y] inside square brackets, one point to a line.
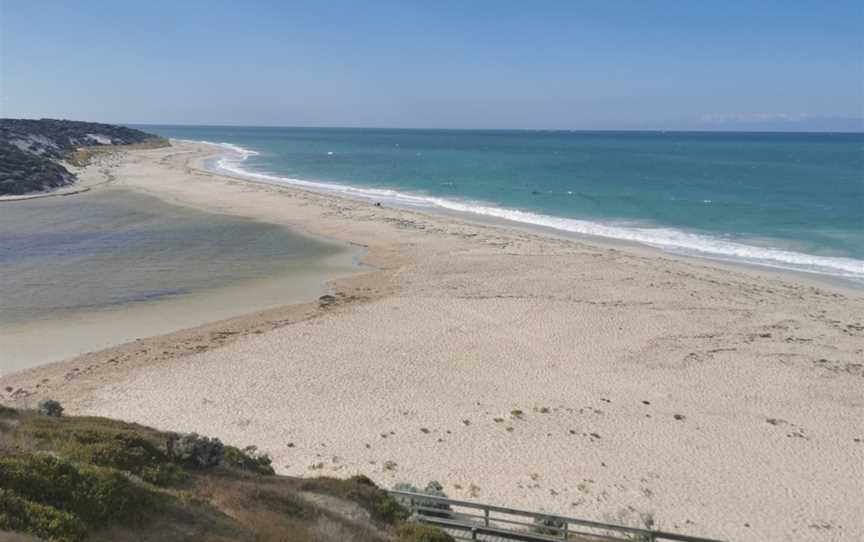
[785, 200]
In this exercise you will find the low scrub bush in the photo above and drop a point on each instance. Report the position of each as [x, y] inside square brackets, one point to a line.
[433, 489]
[19, 514]
[249, 458]
[196, 450]
[106, 443]
[163, 474]
[50, 407]
[549, 525]
[93, 494]
[362, 479]
[417, 532]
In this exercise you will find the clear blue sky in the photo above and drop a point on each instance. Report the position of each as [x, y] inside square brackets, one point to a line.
[784, 65]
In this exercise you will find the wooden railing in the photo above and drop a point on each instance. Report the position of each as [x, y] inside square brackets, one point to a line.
[473, 521]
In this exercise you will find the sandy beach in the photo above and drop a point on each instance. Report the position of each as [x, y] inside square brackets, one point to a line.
[514, 367]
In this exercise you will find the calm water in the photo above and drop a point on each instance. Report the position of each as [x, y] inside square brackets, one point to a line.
[114, 248]
[792, 201]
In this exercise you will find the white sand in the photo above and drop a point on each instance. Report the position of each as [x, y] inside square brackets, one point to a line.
[465, 323]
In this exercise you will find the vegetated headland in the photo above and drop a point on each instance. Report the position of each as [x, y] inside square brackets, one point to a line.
[33, 152]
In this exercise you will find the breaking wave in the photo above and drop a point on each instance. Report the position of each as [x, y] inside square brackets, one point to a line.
[669, 239]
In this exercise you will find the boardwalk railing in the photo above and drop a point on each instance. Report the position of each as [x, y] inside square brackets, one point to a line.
[473, 521]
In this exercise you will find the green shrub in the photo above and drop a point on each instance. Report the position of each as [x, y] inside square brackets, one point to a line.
[417, 532]
[362, 479]
[196, 450]
[121, 452]
[549, 525]
[94, 494]
[433, 489]
[105, 443]
[50, 407]
[21, 515]
[165, 474]
[249, 458]
[387, 509]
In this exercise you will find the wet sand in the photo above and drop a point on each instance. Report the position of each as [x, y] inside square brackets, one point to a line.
[515, 368]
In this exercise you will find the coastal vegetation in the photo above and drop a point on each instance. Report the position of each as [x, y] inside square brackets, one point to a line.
[32, 151]
[69, 478]
[433, 489]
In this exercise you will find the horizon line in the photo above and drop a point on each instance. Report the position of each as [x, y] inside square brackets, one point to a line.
[472, 129]
[570, 130]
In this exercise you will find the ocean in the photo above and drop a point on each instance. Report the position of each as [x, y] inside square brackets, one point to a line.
[784, 200]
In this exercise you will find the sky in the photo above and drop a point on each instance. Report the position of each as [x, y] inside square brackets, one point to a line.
[594, 65]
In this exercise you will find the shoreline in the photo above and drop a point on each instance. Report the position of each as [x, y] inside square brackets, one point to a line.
[812, 278]
[601, 348]
[483, 213]
[86, 332]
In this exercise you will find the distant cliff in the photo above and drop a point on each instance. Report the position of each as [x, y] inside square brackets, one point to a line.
[30, 150]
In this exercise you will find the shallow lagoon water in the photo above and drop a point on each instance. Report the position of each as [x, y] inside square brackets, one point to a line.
[85, 272]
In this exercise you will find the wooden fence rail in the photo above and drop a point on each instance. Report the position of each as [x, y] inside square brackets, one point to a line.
[474, 521]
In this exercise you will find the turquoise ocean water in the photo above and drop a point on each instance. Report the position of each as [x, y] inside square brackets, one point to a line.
[785, 200]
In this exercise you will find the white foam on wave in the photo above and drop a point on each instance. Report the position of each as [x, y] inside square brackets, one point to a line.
[669, 239]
